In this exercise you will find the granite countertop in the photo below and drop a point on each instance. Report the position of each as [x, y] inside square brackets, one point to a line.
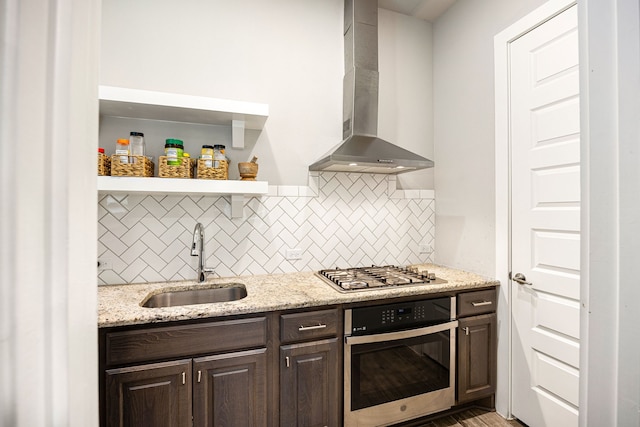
[120, 305]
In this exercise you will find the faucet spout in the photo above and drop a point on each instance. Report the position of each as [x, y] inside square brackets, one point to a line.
[197, 249]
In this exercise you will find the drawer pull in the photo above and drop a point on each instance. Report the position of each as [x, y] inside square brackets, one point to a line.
[287, 361]
[184, 378]
[466, 330]
[311, 328]
[199, 376]
[481, 303]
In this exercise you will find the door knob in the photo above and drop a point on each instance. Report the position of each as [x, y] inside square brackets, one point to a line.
[521, 279]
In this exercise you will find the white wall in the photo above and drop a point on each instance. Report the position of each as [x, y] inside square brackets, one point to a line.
[405, 113]
[464, 129]
[285, 53]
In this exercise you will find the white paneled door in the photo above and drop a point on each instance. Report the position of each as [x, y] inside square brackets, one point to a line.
[545, 209]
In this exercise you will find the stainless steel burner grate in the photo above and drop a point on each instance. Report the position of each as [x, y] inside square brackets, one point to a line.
[375, 277]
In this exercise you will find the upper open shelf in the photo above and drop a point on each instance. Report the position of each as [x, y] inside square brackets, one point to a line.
[172, 107]
[146, 104]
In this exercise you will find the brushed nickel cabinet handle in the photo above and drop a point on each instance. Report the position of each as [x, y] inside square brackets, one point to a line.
[199, 375]
[184, 378]
[481, 303]
[286, 359]
[466, 330]
[311, 328]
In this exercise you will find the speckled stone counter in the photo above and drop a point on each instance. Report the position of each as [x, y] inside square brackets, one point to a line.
[120, 305]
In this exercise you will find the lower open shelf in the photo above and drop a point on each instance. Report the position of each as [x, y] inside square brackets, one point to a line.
[234, 188]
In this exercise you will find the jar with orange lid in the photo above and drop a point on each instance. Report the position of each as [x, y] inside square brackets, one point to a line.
[122, 150]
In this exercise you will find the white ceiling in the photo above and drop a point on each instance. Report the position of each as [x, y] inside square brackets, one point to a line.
[428, 10]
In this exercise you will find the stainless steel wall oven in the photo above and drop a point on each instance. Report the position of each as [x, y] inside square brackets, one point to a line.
[399, 361]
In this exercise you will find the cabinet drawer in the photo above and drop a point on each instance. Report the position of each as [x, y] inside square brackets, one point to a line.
[309, 325]
[184, 340]
[476, 302]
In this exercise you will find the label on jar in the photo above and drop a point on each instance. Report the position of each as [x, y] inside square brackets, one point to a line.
[124, 156]
[206, 153]
[172, 156]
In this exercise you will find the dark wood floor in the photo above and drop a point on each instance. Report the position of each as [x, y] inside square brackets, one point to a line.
[471, 417]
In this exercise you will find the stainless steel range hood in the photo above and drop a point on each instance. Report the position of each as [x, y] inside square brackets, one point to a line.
[361, 150]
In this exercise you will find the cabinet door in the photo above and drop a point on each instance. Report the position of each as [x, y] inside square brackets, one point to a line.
[309, 384]
[154, 395]
[477, 367]
[231, 389]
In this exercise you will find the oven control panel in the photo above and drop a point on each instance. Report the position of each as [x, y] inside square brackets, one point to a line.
[393, 317]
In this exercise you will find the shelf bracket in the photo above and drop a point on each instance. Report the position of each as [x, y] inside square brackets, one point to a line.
[237, 133]
[237, 205]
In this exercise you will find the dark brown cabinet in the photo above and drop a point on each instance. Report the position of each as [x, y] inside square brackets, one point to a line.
[218, 377]
[230, 389]
[309, 390]
[154, 395]
[477, 341]
[310, 381]
[477, 357]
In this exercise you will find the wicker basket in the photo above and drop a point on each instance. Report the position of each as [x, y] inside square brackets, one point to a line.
[104, 165]
[137, 166]
[219, 172]
[184, 170]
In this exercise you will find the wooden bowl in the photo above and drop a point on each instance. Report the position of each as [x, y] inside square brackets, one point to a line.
[248, 171]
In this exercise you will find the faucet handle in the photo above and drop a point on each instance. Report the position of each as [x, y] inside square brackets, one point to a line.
[203, 273]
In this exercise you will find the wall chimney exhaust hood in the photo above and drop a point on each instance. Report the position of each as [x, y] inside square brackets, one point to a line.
[361, 150]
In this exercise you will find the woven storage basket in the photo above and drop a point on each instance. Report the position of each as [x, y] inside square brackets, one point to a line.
[184, 170]
[220, 172]
[104, 165]
[137, 166]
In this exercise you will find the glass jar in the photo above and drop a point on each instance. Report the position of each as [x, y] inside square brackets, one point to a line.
[218, 152]
[136, 142]
[173, 149]
[207, 155]
[122, 150]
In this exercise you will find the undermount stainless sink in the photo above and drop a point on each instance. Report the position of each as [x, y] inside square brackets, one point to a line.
[228, 292]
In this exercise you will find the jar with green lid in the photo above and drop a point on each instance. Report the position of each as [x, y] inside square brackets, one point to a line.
[173, 149]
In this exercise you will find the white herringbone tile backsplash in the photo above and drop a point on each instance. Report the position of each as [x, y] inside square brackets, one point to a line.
[354, 220]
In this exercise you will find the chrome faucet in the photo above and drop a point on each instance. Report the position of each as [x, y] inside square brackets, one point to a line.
[197, 249]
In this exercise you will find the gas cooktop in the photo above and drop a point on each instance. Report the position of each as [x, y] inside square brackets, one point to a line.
[377, 277]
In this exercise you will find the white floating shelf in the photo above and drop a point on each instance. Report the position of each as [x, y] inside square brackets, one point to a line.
[151, 105]
[173, 186]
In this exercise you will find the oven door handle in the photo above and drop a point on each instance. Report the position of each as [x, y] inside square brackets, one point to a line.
[400, 335]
